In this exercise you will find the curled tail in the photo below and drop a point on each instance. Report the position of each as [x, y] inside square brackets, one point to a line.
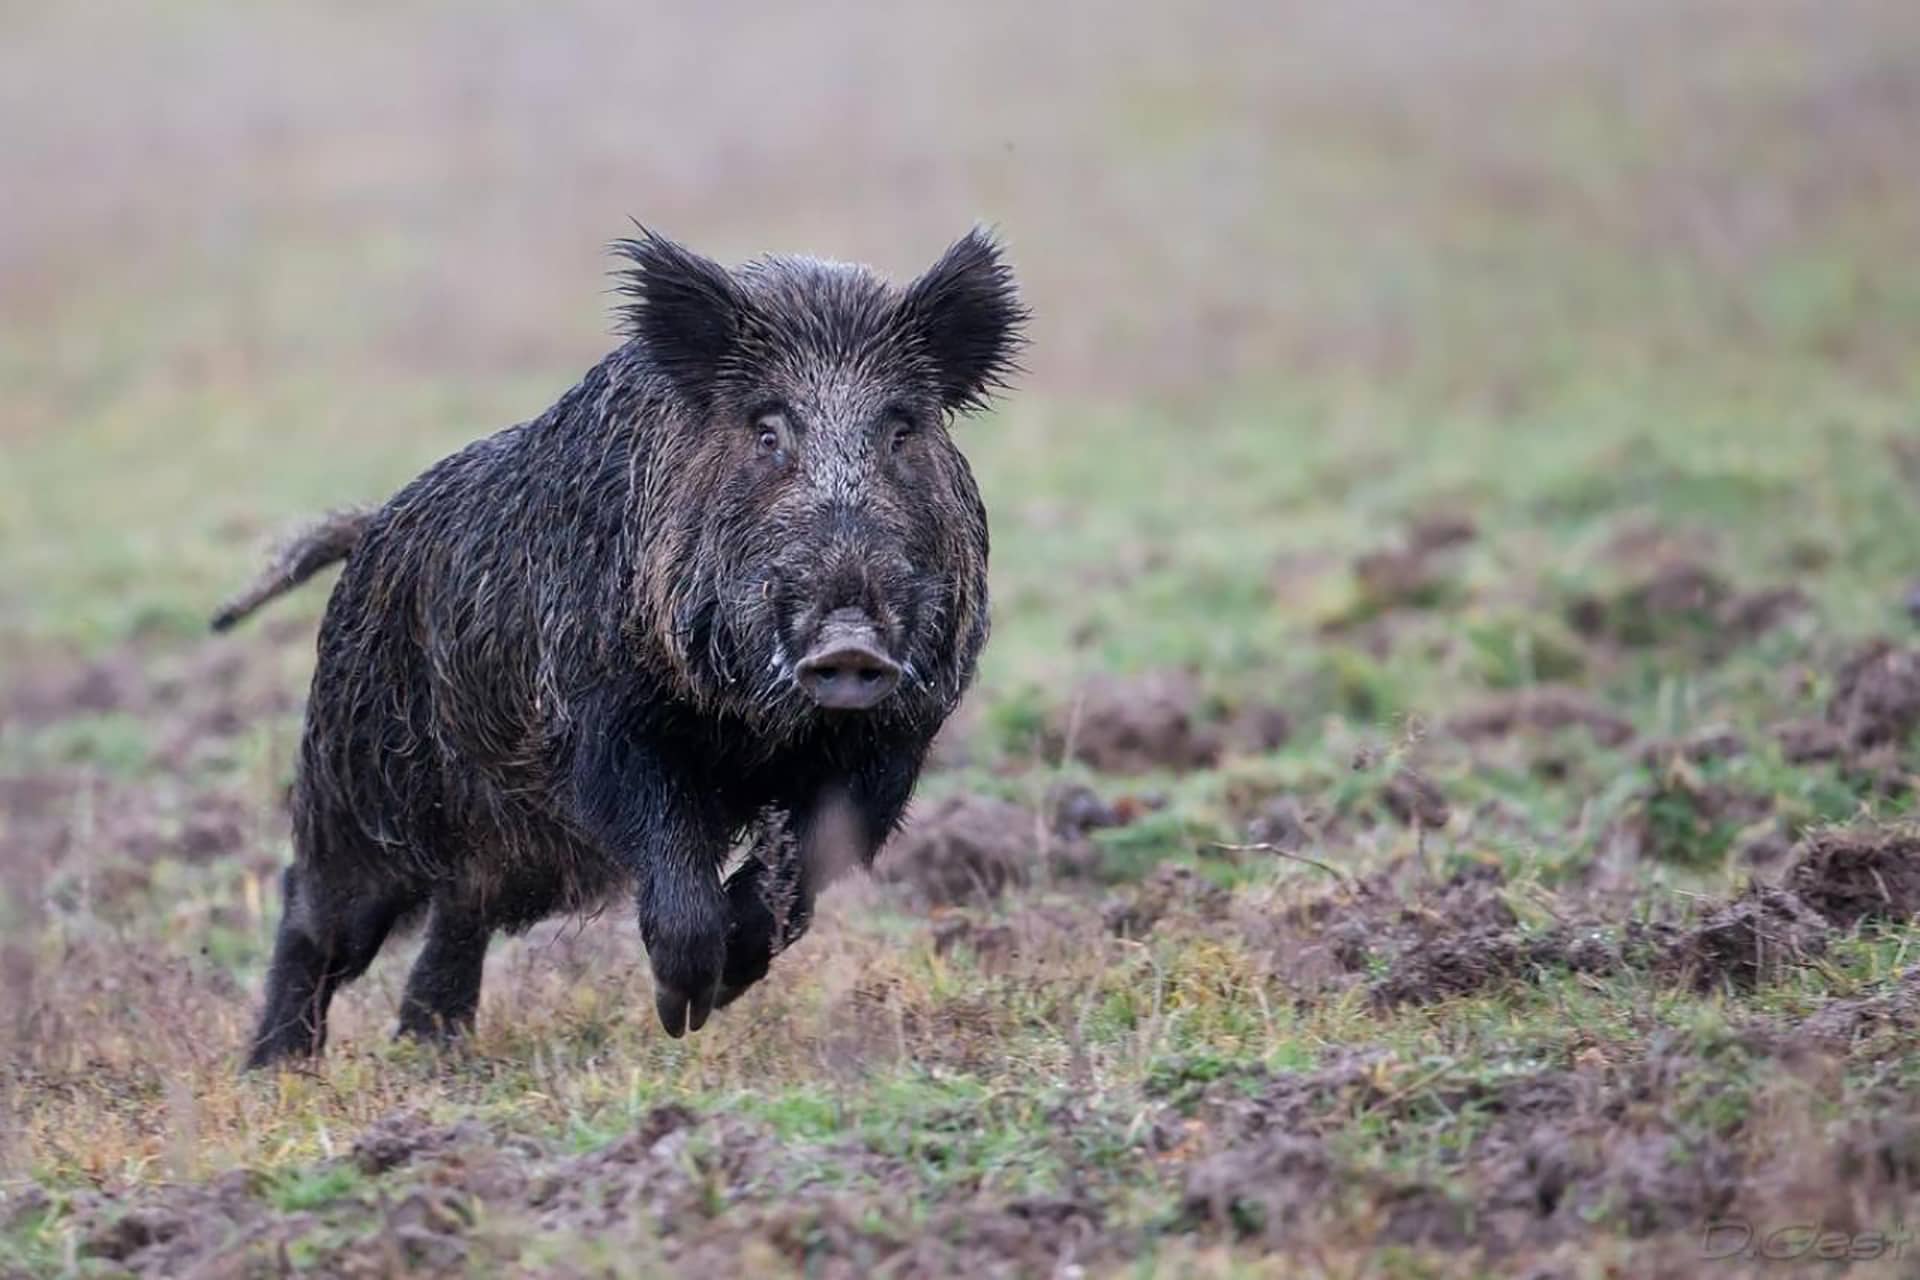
[296, 558]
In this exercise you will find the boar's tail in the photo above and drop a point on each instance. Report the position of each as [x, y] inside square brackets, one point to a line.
[330, 538]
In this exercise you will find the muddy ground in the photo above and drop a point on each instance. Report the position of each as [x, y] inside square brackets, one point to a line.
[1690, 1058]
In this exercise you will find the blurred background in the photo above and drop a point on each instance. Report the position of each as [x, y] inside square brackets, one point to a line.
[260, 259]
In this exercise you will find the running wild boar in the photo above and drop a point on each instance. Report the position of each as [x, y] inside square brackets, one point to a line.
[724, 592]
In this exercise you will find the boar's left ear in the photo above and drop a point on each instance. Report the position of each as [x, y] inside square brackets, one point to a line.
[967, 315]
[684, 307]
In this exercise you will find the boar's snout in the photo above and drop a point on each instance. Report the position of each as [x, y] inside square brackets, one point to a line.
[847, 669]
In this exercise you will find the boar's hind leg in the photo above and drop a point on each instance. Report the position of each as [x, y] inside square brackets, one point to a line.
[327, 938]
[443, 991]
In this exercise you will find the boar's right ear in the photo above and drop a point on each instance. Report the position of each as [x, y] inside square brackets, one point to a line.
[967, 315]
[684, 307]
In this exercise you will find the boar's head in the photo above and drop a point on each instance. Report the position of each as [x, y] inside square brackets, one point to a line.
[816, 546]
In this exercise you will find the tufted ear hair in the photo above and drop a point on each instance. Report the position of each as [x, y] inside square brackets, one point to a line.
[684, 308]
[966, 313]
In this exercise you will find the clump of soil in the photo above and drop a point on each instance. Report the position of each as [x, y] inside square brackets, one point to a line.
[1409, 578]
[1876, 697]
[1752, 940]
[1684, 599]
[1440, 529]
[1841, 1024]
[1075, 810]
[1681, 595]
[1702, 747]
[1255, 727]
[992, 943]
[1568, 1149]
[1136, 725]
[1810, 741]
[1443, 967]
[1033, 932]
[398, 1139]
[1414, 801]
[964, 848]
[1285, 823]
[1172, 889]
[1852, 874]
[1556, 1152]
[1419, 573]
[1157, 721]
[1757, 612]
[1331, 938]
[1259, 1187]
[1693, 821]
[1541, 709]
[1033, 1236]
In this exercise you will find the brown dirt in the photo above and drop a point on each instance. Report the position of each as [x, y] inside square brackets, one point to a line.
[1171, 889]
[1285, 822]
[1876, 697]
[1701, 747]
[1442, 967]
[1135, 725]
[1441, 529]
[1075, 810]
[1157, 721]
[1542, 709]
[1754, 939]
[1558, 1151]
[1037, 934]
[1810, 741]
[89, 842]
[1855, 874]
[1414, 801]
[964, 848]
[1418, 573]
[1401, 578]
[1757, 612]
[1254, 727]
[1268, 1169]
[1692, 820]
[1681, 593]
[211, 690]
[1567, 1149]
[1330, 940]
[1889, 1015]
[1684, 599]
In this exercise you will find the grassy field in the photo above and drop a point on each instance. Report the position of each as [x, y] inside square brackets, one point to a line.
[1437, 799]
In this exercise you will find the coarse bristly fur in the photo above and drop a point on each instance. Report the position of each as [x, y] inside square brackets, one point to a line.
[562, 662]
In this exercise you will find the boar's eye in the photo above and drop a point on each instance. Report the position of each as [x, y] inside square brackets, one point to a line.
[901, 429]
[774, 439]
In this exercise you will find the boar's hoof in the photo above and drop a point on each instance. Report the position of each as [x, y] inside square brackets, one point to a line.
[680, 1011]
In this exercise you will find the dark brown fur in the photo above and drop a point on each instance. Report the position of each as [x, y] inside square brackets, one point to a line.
[561, 663]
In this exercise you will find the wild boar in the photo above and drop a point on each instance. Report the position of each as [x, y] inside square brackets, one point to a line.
[726, 590]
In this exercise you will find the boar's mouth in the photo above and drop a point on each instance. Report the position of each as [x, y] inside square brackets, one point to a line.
[847, 668]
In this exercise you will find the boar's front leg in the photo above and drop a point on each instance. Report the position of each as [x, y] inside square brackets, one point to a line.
[651, 820]
[798, 852]
[769, 906]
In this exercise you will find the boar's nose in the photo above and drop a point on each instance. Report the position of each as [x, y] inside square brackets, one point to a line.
[846, 669]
